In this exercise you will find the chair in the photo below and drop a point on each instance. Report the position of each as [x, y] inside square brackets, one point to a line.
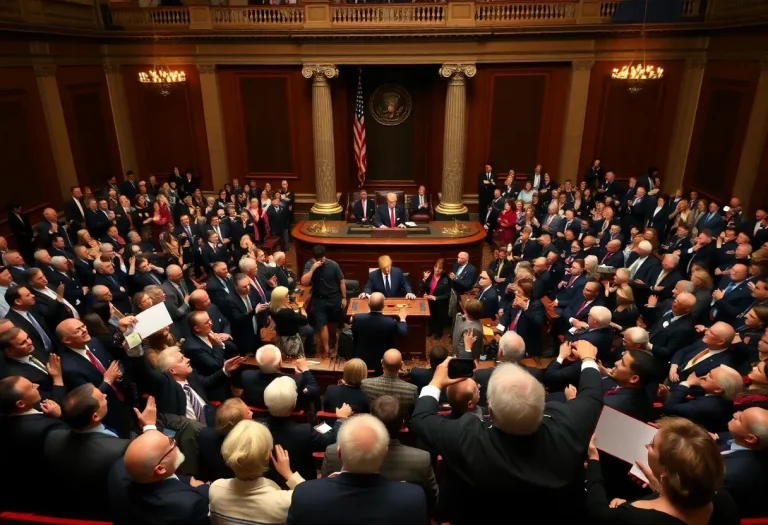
[21, 518]
[427, 216]
[272, 244]
[754, 521]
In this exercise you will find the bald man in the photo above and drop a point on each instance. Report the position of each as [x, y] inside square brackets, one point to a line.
[176, 292]
[388, 280]
[374, 333]
[463, 398]
[391, 214]
[713, 350]
[746, 461]
[49, 226]
[144, 488]
[390, 384]
[672, 329]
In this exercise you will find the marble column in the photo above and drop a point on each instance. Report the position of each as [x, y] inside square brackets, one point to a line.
[688, 102]
[454, 140]
[754, 141]
[57, 126]
[326, 202]
[121, 115]
[574, 120]
[214, 125]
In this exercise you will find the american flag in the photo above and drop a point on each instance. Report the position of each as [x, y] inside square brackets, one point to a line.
[358, 132]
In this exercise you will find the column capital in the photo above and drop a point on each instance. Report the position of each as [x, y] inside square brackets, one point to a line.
[44, 70]
[206, 69]
[457, 72]
[582, 65]
[320, 72]
[695, 63]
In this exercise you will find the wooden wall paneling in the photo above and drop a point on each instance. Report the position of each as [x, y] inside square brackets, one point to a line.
[343, 92]
[629, 132]
[90, 126]
[478, 109]
[760, 188]
[169, 131]
[727, 92]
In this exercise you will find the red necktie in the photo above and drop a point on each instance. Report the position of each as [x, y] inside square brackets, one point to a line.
[605, 258]
[581, 308]
[392, 217]
[95, 362]
[513, 324]
[611, 391]
[571, 281]
[261, 292]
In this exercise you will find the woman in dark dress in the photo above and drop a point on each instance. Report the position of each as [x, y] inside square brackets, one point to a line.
[288, 323]
[437, 289]
[348, 390]
[685, 470]
[624, 309]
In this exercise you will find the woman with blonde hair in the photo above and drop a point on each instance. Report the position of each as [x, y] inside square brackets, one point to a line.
[348, 390]
[685, 470]
[249, 497]
[84, 239]
[288, 323]
[625, 313]
[590, 267]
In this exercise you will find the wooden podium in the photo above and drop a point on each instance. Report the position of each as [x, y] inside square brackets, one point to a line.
[415, 345]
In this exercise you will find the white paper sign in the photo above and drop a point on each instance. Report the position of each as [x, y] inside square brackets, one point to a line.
[624, 437]
[152, 320]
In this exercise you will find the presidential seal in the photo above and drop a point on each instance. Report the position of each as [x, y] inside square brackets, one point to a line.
[390, 104]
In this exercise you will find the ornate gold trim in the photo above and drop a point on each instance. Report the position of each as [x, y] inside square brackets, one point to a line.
[320, 72]
[326, 208]
[447, 208]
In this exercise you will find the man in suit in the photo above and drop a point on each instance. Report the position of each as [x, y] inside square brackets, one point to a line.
[363, 444]
[500, 269]
[25, 424]
[553, 222]
[526, 249]
[269, 359]
[213, 250]
[388, 280]
[176, 292]
[53, 307]
[525, 316]
[75, 292]
[579, 310]
[463, 274]
[712, 220]
[14, 262]
[219, 284]
[206, 352]
[512, 349]
[73, 209]
[374, 333]
[80, 458]
[594, 175]
[671, 328]
[422, 376]
[487, 296]
[478, 468]
[702, 356]
[246, 314]
[486, 184]
[710, 405]
[278, 221]
[97, 217]
[390, 384]
[391, 214]
[186, 232]
[21, 358]
[571, 288]
[363, 210]
[199, 301]
[144, 488]
[703, 252]
[536, 178]
[732, 297]
[24, 315]
[106, 276]
[746, 461]
[129, 186]
[49, 226]
[632, 374]
[420, 202]
[489, 218]
[664, 279]
[403, 463]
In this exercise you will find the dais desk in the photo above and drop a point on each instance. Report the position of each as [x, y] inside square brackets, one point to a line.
[412, 251]
[414, 346]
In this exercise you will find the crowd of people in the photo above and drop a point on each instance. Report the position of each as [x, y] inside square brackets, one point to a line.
[653, 305]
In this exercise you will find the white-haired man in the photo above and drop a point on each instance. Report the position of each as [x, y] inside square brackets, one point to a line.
[533, 448]
[74, 291]
[270, 361]
[391, 214]
[363, 442]
[596, 329]
[511, 350]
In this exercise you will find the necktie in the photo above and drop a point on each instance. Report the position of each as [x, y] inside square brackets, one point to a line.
[584, 305]
[461, 269]
[218, 232]
[709, 216]
[514, 322]
[499, 268]
[480, 294]
[36, 362]
[696, 358]
[392, 217]
[183, 288]
[95, 362]
[611, 391]
[189, 233]
[224, 284]
[194, 403]
[730, 288]
[153, 278]
[112, 280]
[570, 281]
[387, 287]
[421, 201]
[261, 292]
[40, 331]
[605, 258]
[661, 277]
[249, 306]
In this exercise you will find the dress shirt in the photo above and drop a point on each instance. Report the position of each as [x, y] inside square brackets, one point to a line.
[191, 413]
[635, 265]
[28, 361]
[79, 206]
[205, 340]
[701, 358]
[30, 412]
[50, 293]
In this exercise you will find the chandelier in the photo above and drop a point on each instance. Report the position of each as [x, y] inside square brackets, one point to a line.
[637, 76]
[162, 79]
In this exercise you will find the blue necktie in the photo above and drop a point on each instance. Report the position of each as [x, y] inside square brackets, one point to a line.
[112, 280]
[43, 335]
[729, 288]
[387, 288]
[709, 216]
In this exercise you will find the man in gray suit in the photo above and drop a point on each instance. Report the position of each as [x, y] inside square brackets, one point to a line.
[402, 463]
[80, 459]
[176, 292]
[553, 222]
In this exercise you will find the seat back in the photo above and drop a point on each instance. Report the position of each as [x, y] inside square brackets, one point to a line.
[381, 197]
[420, 216]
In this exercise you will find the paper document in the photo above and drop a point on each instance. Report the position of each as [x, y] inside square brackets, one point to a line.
[152, 320]
[323, 428]
[411, 224]
[624, 437]
[487, 331]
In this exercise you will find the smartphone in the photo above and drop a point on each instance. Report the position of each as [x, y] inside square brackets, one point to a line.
[458, 368]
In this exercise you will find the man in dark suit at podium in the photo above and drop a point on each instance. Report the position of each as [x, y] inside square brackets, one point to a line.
[388, 280]
[374, 333]
[364, 209]
[391, 214]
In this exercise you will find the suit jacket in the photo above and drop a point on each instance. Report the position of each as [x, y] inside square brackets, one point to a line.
[23, 439]
[467, 280]
[555, 224]
[370, 211]
[634, 402]
[22, 229]
[529, 326]
[490, 301]
[207, 361]
[667, 340]
[374, 334]
[336, 395]
[11, 367]
[300, 440]
[120, 298]
[482, 463]
[415, 204]
[212, 465]
[646, 271]
[382, 216]
[399, 285]
[243, 332]
[714, 224]
[74, 215]
[668, 282]
[377, 502]
[255, 382]
[84, 271]
[506, 270]
[528, 250]
[97, 223]
[572, 292]
[174, 301]
[221, 324]
[278, 220]
[217, 291]
[711, 412]
[73, 288]
[403, 463]
[210, 256]
[79, 464]
[19, 320]
[746, 473]
[557, 376]
[44, 235]
[483, 375]
[602, 338]
[703, 366]
[490, 217]
[706, 255]
[161, 503]
[733, 303]
[52, 311]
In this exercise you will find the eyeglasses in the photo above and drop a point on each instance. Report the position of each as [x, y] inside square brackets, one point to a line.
[172, 442]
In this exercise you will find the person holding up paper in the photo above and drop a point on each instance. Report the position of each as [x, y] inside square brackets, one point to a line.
[684, 470]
